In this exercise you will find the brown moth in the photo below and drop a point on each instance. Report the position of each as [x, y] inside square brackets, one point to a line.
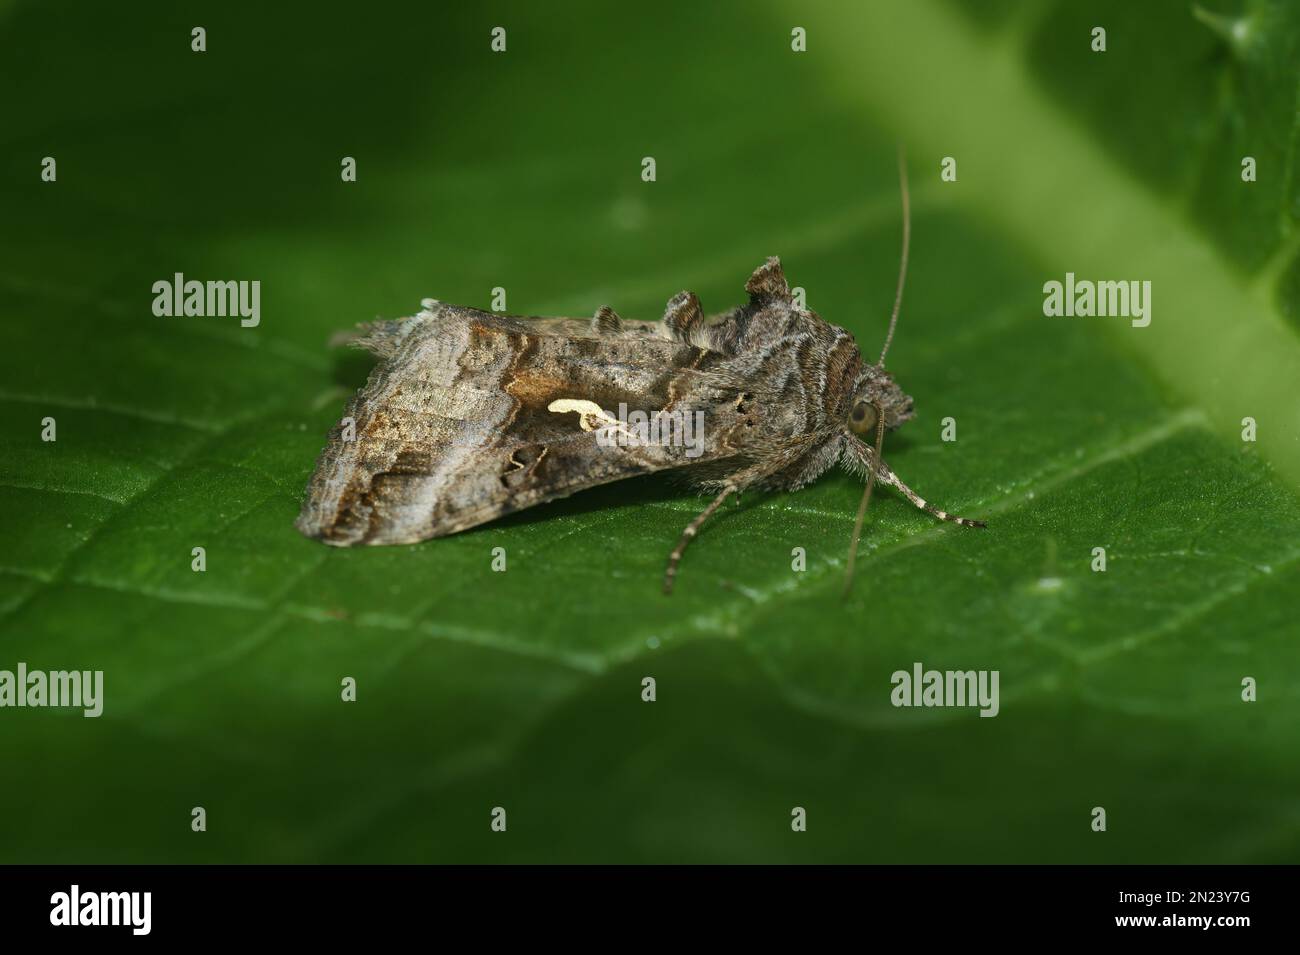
[471, 415]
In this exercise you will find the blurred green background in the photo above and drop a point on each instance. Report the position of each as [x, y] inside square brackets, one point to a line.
[522, 689]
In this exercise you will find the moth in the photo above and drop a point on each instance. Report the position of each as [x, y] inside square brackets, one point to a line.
[470, 415]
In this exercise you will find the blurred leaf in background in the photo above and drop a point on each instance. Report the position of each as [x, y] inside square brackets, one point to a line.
[521, 170]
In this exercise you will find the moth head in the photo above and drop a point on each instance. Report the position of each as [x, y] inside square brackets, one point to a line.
[876, 393]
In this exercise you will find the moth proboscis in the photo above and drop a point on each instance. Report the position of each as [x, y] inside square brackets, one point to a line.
[470, 415]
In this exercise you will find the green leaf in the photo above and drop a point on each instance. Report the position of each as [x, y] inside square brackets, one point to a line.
[522, 689]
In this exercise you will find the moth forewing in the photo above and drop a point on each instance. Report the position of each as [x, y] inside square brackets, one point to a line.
[456, 427]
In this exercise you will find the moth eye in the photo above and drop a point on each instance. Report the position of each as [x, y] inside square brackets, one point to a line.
[862, 419]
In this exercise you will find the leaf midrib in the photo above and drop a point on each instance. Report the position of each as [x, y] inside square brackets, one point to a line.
[1206, 316]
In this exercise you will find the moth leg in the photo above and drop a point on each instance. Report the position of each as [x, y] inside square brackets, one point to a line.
[693, 528]
[888, 476]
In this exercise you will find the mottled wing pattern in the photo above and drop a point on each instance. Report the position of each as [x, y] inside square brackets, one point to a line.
[454, 427]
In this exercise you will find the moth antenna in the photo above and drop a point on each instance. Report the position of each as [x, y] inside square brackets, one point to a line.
[902, 267]
[866, 499]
